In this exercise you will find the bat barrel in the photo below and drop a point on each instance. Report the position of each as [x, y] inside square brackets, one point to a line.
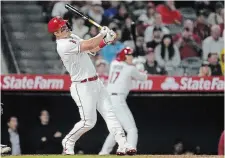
[71, 8]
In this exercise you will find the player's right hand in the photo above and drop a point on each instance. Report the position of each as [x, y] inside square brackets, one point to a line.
[104, 30]
[110, 37]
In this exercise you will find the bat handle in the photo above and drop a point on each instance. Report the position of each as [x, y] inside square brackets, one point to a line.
[94, 23]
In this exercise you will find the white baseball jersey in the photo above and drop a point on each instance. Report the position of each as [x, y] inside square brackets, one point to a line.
[121, 75]
[78, 64]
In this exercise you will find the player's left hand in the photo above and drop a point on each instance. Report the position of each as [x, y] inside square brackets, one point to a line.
[110, 37]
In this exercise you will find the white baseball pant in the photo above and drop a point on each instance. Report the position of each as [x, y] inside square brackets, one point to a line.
[89, 97]
[126, 119]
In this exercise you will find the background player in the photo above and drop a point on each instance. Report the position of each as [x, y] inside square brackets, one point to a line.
[221, 144]
[86, 89]
[122, 71]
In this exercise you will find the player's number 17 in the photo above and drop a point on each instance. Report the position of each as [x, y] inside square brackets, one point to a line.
[114, 77]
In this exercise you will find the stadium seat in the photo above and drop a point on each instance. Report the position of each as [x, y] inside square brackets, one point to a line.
[31, 63]
[174, 29]
[192, 71]
[18, 2]
[27, 26]
[36, 55]
[191, 65]
[192, 62]
[23, 9]
[188, 13]
[21, 54]
[47, 45]
[23, 18]
[178, 71]
[33, 70]
[50, 55]
[19, 35]
[34, 50]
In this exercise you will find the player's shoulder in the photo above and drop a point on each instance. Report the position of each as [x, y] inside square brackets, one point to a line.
[64, 45]
[128, 67]
[115, 62]
[75, 37]
[131, 66]
[66, 41]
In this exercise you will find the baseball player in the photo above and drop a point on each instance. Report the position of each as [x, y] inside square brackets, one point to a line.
[86, 89]
[122, 71]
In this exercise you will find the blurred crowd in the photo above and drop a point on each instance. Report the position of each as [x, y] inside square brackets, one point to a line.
[166, 38]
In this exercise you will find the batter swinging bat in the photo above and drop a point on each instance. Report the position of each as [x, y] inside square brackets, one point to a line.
[133, 34]
[74, 10]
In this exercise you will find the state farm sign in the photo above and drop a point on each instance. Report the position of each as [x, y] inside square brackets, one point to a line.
[193, 84]
[31, 83]
[202, 84]
[154, 83]
[136, 85]
[142, 85]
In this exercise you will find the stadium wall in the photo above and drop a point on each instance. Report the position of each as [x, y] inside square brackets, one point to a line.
[196, 120]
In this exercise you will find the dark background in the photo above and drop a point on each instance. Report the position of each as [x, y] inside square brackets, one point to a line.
[197, 120]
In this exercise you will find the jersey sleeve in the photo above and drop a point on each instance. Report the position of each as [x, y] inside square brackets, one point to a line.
[80, 39]
[136, 74]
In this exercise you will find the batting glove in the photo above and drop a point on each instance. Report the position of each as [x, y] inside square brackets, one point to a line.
[104, 30]
[110, 37]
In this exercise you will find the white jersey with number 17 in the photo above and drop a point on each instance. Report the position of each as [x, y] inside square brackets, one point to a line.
[121, 75]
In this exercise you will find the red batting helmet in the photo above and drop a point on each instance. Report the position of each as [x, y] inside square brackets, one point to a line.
[55, 24]
[121, 56]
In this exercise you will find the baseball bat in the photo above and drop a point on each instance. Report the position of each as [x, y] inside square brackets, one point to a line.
[133, 34]
[74, 10]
